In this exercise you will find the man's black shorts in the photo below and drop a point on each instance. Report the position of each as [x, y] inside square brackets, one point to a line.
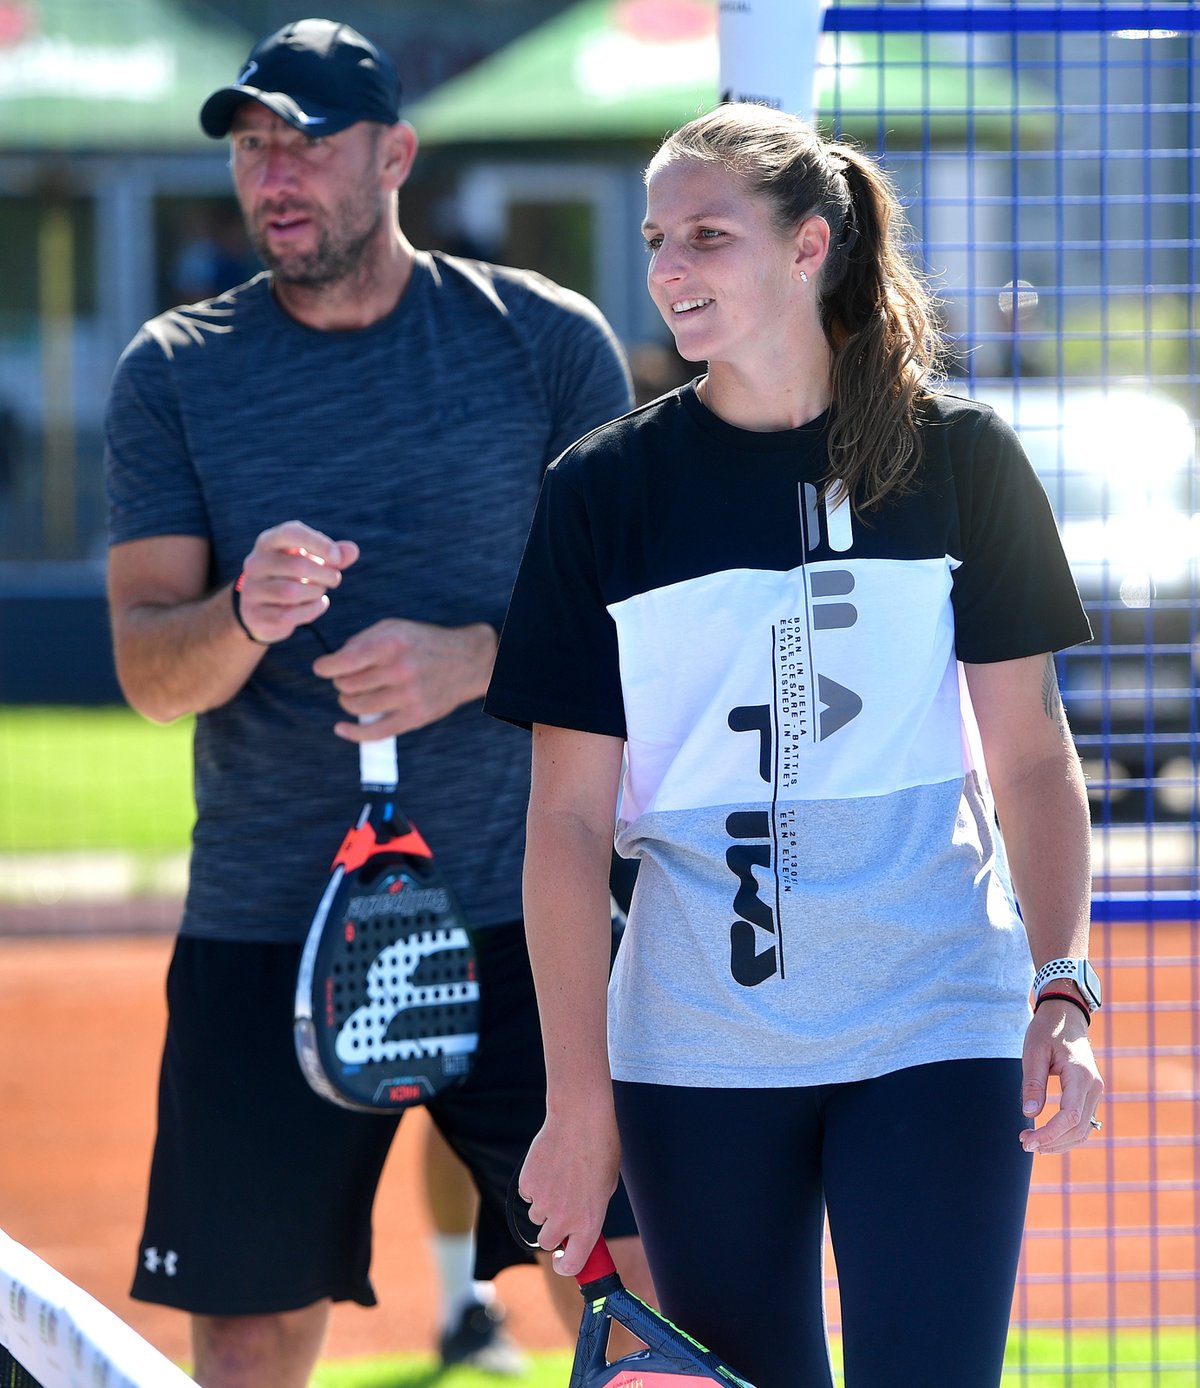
[260, 1191]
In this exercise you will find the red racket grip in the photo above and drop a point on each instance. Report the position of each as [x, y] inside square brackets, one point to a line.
[599, 1264]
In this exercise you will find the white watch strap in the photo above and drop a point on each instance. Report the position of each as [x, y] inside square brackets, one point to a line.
[1063, 968]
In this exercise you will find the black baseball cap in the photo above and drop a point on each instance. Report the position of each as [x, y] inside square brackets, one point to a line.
[317, 75]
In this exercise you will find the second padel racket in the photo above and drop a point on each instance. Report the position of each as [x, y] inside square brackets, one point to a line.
[671, 1359]
[387, 995]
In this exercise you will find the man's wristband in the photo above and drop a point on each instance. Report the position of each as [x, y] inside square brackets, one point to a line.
[1065, 997]
[235, 596]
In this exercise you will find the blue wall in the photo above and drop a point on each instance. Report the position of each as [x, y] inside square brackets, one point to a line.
[55, 646]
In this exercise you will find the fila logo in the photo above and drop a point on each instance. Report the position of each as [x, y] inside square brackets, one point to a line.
[751, 832]
[167, 1262]
[827, 588]
[834, 511]
[799, 716]
[808, 708]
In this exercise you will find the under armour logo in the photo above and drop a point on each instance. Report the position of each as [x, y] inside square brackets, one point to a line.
[167, 1262]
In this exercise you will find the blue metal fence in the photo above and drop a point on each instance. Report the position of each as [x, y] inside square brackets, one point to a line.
[1050, 175]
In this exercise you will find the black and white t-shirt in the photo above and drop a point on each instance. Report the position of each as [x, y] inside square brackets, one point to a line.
[822, 893]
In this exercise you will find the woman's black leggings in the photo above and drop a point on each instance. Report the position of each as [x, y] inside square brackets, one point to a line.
[925, 1185]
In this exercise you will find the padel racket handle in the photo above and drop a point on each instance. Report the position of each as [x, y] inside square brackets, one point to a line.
[599, 1264]
[377, 762]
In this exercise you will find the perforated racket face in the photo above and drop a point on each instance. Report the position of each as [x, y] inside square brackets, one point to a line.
[394, 1014]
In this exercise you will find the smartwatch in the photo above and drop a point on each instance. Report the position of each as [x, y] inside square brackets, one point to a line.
[1077, 971]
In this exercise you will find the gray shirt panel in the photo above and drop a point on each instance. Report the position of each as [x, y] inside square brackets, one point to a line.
[900, 908]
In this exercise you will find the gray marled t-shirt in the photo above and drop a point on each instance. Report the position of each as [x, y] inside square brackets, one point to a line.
[423, 438]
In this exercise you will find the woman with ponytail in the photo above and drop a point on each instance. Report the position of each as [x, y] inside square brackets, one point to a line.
[791, 627]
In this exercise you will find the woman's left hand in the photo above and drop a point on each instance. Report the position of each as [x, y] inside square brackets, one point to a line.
[1056, 1043]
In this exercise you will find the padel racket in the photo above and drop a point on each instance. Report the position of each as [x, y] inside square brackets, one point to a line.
[387, 995]
[671, 1359]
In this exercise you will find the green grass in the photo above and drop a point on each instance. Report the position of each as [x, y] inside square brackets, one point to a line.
[1095, 1359]
[1133, 1359]
[82, 779]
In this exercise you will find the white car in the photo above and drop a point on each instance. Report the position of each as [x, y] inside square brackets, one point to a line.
[1120, 468]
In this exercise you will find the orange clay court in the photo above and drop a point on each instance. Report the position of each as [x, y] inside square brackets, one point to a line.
[81, 1020]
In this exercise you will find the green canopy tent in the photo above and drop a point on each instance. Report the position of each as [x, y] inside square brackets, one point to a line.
[98, 117]
[79, 75]
[630, 70]
[550, 133]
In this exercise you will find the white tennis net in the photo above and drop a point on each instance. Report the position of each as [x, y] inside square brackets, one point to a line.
[54, 1335]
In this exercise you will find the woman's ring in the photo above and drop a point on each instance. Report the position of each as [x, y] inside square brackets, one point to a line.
[1096, 1123]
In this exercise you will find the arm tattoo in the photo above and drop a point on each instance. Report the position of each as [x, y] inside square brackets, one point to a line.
[1051, 699]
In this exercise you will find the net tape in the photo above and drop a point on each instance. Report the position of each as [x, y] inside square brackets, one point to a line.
[66, 1338]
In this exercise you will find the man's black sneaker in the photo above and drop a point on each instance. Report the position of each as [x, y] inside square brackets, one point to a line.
[479, 1338]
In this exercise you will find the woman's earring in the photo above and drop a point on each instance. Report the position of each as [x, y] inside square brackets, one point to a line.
[803, 276]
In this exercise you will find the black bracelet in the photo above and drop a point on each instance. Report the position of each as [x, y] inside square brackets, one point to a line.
[235, 596]
[1064, 997]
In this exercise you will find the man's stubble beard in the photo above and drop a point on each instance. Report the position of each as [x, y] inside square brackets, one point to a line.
[331, 260]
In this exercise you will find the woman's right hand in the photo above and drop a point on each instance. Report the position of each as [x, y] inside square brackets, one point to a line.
[568, 1178]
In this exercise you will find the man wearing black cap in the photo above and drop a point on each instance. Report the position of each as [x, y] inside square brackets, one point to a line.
[354, 438]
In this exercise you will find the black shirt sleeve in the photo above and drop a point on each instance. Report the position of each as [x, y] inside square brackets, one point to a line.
[1013, 594]
[558, 661]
